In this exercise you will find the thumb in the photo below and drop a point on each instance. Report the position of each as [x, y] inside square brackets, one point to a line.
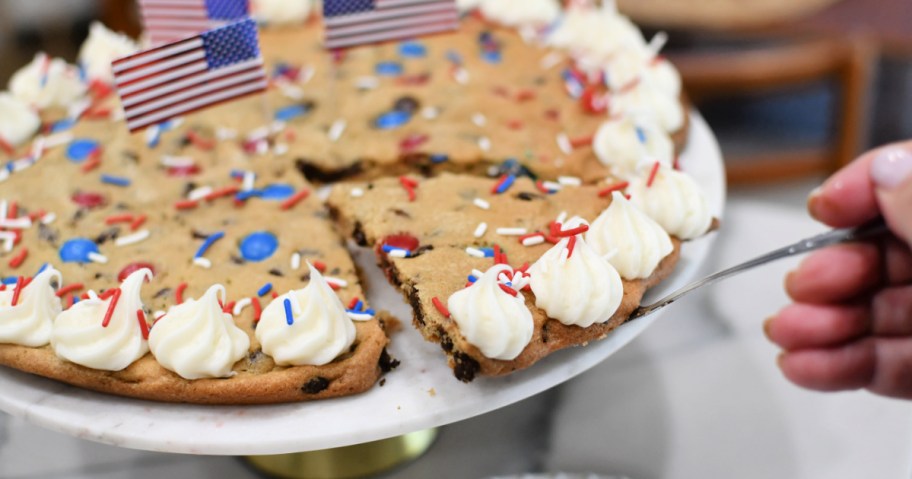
[891, 173]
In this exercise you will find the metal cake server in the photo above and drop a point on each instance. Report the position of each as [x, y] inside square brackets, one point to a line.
[869, 230]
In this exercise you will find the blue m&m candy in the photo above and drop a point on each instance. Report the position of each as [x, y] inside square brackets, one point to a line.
[390, 69]
[392, 119]
[259, 245]
[412, 50]
[277, 191]
[80, 149]
[77, 250]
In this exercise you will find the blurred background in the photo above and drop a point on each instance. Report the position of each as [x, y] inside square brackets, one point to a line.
[793, 89]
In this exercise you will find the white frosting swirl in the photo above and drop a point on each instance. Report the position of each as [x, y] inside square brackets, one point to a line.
[196, 339]
[518, 13]
[674, 200]
[647, 97]
[466, 5]
[101, 48]
[80, 337]
[47, 82]
[624, 144]
[632, 241]
[593, 36]
[281, 12]
[29, 322]
[496, 322]
[321, 329]
[581, 289]
[18, 122]
[664, 77]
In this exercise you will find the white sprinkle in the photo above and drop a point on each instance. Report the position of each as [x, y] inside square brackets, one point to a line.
[133, 238]
[484, 143]
[430, 112]
[175, 122]
[477, 273]
[78, 108]
[199, 193]
[336, 281]
[280, 148]
[93, 296]
[37, 148]
[277, 126]
[291, 91]
[551, 60]
[512, 231]
[240, 305]
[528, 33]
[153, 133]
[398, 253]
[503, 278]
[16, 223]
[479, 119]
[48, 218]
[569, 180]
[202, 262]
[658, 41]
[336, 129]
[480, 229]
[3, 208]
[262, 147]
[461, 75]
[563, 142]
[258, 134]
[248, 181]
[307, 73]
[359, 316]
[158, 314]
[58, 139]
[475, 252]
[4, 175]
[562, 217]
[225, 133]
[22, 164]
[97, 258]
[550, 185]
[533, 240]
[356, 192]
[295, 261]
[177, 161]
[482, 203]
[8, 240]
[367, 83]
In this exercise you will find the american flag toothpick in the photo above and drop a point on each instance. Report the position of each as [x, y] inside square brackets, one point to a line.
[358, 22]
[167, 21]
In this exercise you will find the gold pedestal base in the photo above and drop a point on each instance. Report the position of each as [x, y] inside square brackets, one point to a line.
[359, 460]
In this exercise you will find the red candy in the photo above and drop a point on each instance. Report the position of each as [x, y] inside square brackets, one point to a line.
[402, 241]
[594, 101]
[89, 200]
[133, 267]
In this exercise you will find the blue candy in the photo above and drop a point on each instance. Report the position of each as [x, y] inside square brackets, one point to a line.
[412, 50]
[80, 149]
[291, 112]
[439, 158]
[392, 119]
[77, 250]
[277, 191]
[259, 245]
[62, 125]
[491, 56]
[390, 69]
[641, 135]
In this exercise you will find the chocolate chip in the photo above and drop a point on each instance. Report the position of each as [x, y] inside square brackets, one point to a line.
[48, 234]
[108, 234]
[237, 259]
[465, 367]
[527, 196]
[162, 293]
[197, 234]
[315, 385]
[407, 104]
[276, 272]
[387, 363]
[401, 212]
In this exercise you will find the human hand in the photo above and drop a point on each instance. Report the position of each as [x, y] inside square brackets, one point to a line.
[850, 326]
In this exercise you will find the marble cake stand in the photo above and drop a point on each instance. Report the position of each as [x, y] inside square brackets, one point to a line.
[421, 394]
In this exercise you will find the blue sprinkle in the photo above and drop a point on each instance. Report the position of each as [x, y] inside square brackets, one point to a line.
[247, 194]
[388, 249]
[641, 135]
[80, 149]
[488, 252]
[507, 183]
[77, 250]
[369, 311]
[115, 180]
[291, 112]
[392, 119]
[237, 174]
[358, 306]
[289, 318]
[277, 191]
[454, 57]
[491, 56]
[412, 50]
[472, 278]
[207, 243]
[63, 125]
[42, 268]
[75, 299]
[265, 289]
[259, 246]
[281, 69]
[9, 280]
[439, 158]
[389, 69]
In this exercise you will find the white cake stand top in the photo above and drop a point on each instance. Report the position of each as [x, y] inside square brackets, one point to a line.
[421, 393]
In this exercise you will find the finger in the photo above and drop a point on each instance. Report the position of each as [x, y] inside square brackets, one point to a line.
[891, 312]
[897, 261]
[851, 366]
[891, 173]
[804, 326]
[835, 274]
[893, 370]
[847, 198]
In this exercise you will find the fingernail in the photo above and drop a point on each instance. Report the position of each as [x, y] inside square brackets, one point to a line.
[812, 201]
[779, 359]
[891, 167]
[767, 326]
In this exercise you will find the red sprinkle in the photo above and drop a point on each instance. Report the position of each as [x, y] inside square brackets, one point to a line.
[199, 141]
[321, 266]
[143, 325]
[507, 289]
[13, 211]
[525, 95]
[132, 268]
[522, 269]
[115, 296]
[189, 170]
[540, 185]
[573, 231]
[6, 147]
[552, 114]
[499, 183]
[16, 261]
[137, 222]
[89, 200]
[186, 204]
[440, 307]
[554, 228]
[570, 245]
[409, 185]
[412, 142]
[611, 189]
[36, 215]
[412, 80]
[515, 124]
[110, 220]
[352, 303]
[295, 199]
[652, 174]
[93, 162]
[20, 285]
[179, 293]
[226, 191]
[594, 101]
[257, 309]
[228, 307]
[275, 294]
[677, 163]
[582, 141]
[69, 289]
